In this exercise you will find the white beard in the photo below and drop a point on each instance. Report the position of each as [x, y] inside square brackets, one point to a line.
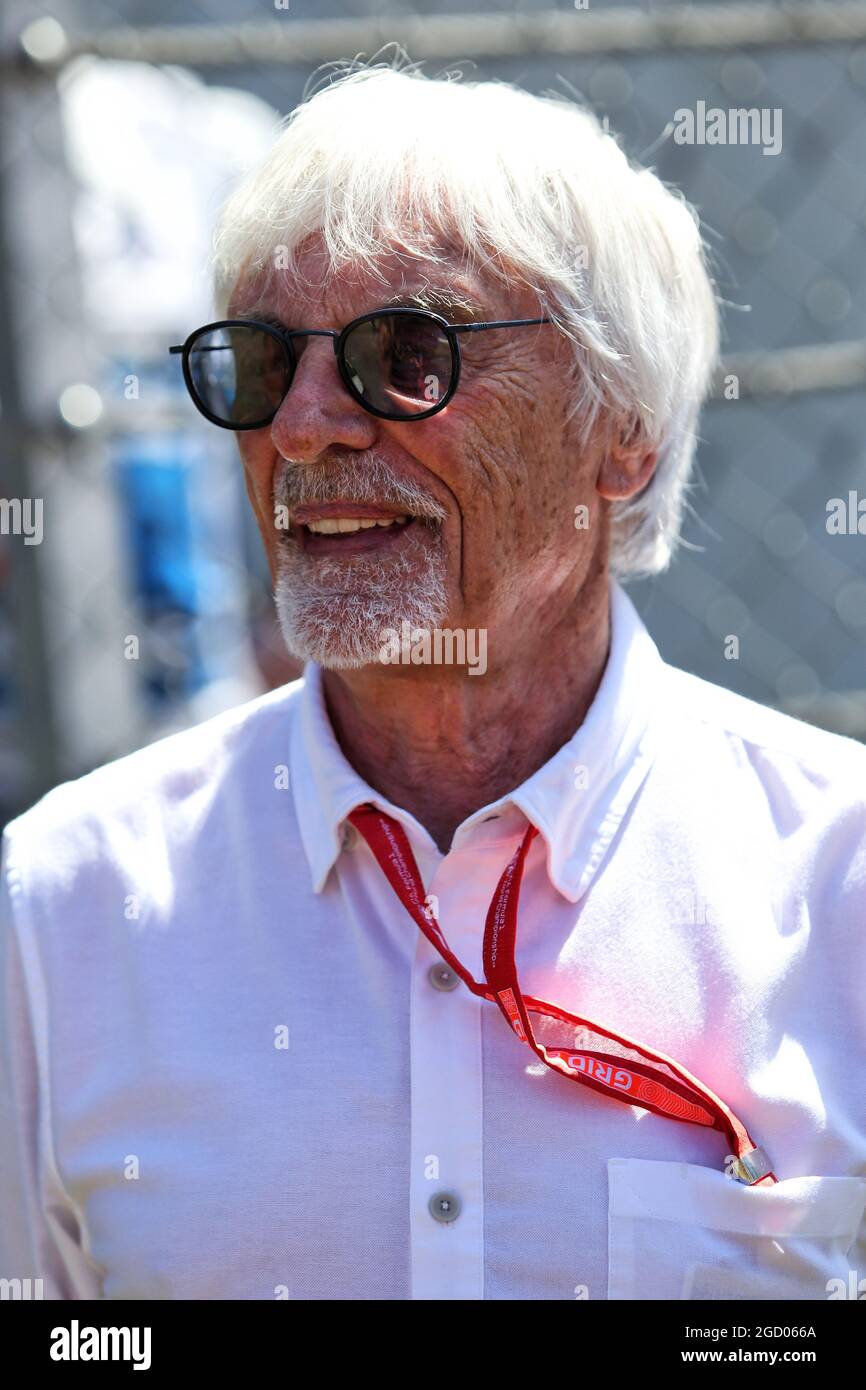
[334, 611]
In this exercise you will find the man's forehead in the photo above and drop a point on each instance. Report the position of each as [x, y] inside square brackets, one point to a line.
[457, 294]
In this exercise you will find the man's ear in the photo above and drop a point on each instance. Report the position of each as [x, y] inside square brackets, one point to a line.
[627, 464]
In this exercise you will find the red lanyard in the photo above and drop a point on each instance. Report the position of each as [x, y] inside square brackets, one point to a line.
[646, 1078]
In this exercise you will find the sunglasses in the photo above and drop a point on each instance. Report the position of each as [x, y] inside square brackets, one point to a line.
[399, 364]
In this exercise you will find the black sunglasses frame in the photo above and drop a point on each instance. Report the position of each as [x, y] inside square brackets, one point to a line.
[284, 336]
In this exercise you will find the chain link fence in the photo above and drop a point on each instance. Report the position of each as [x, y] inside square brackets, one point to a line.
[145, 603]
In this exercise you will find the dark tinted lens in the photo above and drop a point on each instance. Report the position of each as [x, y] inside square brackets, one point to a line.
[399, 363]
[239, 374]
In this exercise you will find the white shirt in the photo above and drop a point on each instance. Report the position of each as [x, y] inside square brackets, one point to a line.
[230, 1076]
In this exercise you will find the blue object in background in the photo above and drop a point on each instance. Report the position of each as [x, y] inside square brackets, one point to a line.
[183, 505]
[153, 473]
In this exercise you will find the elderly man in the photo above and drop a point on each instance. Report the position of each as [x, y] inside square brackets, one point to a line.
[496, 958]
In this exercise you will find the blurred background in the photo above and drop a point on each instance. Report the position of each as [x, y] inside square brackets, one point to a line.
[134, 599]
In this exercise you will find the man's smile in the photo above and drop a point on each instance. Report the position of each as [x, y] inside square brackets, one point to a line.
[347, 528]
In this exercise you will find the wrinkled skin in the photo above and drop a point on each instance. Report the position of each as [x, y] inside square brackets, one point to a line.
[507, 467]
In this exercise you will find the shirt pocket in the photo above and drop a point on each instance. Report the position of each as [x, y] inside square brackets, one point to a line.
[681, 1231]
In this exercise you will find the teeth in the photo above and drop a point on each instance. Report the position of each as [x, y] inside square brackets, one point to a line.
[331, 526]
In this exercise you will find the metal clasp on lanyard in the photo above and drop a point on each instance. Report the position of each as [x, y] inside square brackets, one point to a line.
[752, 1167]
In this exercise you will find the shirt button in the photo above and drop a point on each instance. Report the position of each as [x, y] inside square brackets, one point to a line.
[444, 1207]
[441, 976]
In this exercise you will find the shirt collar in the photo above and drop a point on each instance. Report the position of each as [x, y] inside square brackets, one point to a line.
[576, 800]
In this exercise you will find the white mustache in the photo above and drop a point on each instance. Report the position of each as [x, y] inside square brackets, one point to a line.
[367, 480]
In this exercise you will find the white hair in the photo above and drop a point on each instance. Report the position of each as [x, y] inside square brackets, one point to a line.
[533, 190]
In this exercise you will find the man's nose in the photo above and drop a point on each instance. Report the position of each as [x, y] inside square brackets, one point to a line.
[317, 410]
